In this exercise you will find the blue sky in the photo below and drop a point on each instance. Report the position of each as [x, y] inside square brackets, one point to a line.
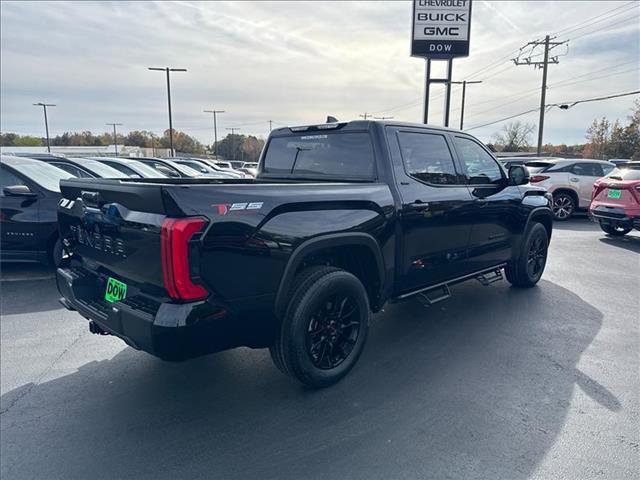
[294, 63]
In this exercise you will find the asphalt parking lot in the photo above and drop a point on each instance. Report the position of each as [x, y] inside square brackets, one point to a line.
[493, 383]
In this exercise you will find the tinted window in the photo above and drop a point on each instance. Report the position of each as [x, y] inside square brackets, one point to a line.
[606, 169]
[100, 169]
[538, 167]
[45, 175]
[335, 155]
[482, 169]
[587, 169]
[122, 168]
[427, 158]
[8, 179]
[72, 169]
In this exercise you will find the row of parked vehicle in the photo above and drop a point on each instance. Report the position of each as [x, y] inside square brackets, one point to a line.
[608, 190]
[30, 192]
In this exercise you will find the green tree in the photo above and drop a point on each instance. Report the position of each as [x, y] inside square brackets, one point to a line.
[182, 143]
[15, 140]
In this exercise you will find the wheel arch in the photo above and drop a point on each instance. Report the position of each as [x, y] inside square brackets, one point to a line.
[357, 253]
[570, 192]
[541, 215]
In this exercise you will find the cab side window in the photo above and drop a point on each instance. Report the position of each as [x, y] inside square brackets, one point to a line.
[482, 169]
[427, 158]
[8, 179]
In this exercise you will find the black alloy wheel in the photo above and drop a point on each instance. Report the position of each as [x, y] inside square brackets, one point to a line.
[333, 331]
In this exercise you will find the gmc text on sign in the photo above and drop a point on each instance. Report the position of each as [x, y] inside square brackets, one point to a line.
[441, 28]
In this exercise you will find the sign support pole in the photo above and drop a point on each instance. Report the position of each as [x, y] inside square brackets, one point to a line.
[447, 101]
[426, 92]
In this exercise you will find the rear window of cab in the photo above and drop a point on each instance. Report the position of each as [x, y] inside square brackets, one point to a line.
[339, 155]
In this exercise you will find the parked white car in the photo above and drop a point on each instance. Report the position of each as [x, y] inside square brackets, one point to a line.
[569, 181]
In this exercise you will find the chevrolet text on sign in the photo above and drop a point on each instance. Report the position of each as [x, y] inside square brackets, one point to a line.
[441, 28]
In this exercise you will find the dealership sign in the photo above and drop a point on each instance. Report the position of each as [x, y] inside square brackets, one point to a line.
[441, 28]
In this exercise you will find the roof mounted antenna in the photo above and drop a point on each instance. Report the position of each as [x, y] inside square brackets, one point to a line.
[331, 119]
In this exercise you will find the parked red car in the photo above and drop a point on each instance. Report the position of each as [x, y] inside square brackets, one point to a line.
[615, 200]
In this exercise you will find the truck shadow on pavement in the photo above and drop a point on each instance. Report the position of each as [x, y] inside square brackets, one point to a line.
[475, 387]
[629, 242]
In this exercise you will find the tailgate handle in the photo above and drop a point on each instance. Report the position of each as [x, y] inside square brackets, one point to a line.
[90, 198]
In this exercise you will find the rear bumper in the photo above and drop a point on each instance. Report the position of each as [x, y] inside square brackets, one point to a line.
[170, 331]
[615, 215]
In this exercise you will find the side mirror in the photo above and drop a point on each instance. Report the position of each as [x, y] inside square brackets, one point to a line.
[518, 175]
[18, 191]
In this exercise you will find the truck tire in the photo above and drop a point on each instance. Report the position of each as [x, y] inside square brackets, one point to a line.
[613, 230]
[525, 270]
[55, 258]
[325, 327]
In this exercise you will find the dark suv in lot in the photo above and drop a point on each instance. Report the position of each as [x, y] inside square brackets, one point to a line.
[29, 196]
[342, 218]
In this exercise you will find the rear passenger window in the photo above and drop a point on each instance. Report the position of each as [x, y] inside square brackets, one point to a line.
[8, 179]
[427, 158]
[587, 169]
[482, 169]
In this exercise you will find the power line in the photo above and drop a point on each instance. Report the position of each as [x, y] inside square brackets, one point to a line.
[605, 27]
[597, 18]
[564, 106]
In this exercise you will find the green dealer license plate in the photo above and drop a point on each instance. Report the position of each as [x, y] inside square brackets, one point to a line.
[116, 290]
[614, 193]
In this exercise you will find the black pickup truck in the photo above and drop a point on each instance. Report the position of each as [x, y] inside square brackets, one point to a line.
[341, 218]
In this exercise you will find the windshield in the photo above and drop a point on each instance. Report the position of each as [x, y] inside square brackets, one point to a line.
[45, 175]
[626, 172]
[145, 170]
[333, 155]
[190, 172]
[195, 165]
[100, 169]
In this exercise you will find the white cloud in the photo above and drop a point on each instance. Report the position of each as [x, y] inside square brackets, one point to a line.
[293, 62]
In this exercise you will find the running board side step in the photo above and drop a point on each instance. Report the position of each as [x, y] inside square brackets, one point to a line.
[442, 293]
[488, 278]
[442, 290]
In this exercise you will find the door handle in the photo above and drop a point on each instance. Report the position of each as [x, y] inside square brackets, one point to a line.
[419, 205]
[574, 179]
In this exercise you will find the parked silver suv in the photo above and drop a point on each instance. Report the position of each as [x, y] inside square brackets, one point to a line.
[570, 182]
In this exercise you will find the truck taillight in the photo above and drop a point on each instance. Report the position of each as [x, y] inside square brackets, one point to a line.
[175, 236]
[537, 178]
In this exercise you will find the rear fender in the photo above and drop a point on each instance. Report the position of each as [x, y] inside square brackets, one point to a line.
[321, 243]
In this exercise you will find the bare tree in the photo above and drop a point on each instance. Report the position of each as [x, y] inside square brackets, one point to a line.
[514, 136]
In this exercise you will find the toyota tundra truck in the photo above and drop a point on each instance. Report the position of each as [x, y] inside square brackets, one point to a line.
[341, 218]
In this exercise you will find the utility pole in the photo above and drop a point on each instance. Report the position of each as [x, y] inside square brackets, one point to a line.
[548, 46]
[233, 132]
[46, 122]
[270, 124]
[215, 130]
[167, 70]
[115, 136]
[365, 116]
[464, 92]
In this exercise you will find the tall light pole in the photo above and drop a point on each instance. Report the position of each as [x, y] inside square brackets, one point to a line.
[215, 130]
[115, 135]
[233, 132]
[464, 93]
[46, 122]
[167, 70]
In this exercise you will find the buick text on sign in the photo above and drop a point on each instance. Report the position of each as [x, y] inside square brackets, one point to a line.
[441, 28]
